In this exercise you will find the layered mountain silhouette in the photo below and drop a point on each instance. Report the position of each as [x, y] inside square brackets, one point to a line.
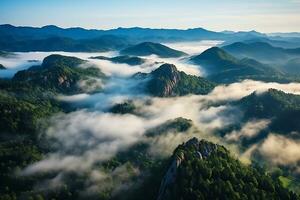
[225, 68]
[55, 43]
[261, 51]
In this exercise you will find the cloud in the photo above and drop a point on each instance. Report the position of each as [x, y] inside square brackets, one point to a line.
[249, 130]
[92, 135]
[85, 138]
[91, 84]
[238, 90]
[281, 150]
[193, 47]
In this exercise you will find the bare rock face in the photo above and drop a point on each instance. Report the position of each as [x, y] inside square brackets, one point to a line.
[164, 79]
[203, 150]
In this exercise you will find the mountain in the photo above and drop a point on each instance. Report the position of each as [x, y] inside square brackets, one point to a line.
[2, 67]
[149, 48]
[216, 59]
[292, 66]
[80, 33]
[58, 73]
[129, 60]
[222, 67]
[282, 108]
[168, 81]
[204, 170]
[123, 108]
[292, 34]
[261, 51]
[13, 38]
[138, 33]
[55, 43]
[275, 41]
[175, 125]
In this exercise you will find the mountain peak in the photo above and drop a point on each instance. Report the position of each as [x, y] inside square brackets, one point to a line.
[166, 70]
[60, 60]
[51, 27]
[168, 81]
[150, 48]
[215, 56]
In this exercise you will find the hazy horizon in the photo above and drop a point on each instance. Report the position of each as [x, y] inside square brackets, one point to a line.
[268, 16]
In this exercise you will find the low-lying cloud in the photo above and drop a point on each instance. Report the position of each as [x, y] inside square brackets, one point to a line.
[249, 130]
[281, 150]
[92, 135]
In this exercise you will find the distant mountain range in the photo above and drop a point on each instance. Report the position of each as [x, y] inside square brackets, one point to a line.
[283, 59]
[261, 51]
[222, 67]
[135, 32]
[53, 38]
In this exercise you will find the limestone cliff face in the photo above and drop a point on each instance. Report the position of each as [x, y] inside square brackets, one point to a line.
[203, 150]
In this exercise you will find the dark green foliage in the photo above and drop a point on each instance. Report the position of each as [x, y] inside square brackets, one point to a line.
[58, 73]
[22, 106]
[149, 48]
[24, 109]
[220, 176]
[123, 108]
[130, 60]
[26, 102]
[176, 125]
[56, 60]
[283, 108]
[168, 81]
[225, 68]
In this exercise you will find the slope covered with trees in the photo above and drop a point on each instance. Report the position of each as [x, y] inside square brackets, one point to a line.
[203, 170]
[58, 73]
[282, 108]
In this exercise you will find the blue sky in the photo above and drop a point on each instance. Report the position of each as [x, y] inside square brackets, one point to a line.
[260, 15]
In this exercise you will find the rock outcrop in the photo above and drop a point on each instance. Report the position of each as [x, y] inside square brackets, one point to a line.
[203, 150]
[167, 81]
